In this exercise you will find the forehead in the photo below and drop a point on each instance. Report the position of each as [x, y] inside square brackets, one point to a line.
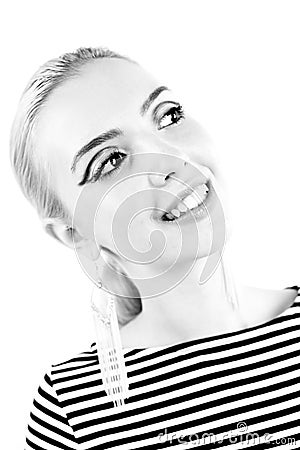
[103, 93]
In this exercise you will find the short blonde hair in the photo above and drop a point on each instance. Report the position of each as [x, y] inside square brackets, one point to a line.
[33, 174]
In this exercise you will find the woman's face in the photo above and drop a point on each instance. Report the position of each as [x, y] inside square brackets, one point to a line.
[107, 135]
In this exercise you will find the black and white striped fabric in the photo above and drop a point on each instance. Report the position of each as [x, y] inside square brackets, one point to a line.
[235, 390]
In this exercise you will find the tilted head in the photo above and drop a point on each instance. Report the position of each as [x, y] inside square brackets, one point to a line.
[96, 121]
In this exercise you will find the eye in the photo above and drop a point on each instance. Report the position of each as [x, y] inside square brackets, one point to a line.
[112, 163]
[172, 117]
[100, 169]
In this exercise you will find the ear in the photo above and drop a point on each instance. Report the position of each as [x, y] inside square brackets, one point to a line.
[70, 237]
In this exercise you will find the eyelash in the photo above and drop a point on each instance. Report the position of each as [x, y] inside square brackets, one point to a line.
[178, 109]
[97, 174]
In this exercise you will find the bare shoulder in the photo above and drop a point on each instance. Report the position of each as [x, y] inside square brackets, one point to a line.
[260, 304]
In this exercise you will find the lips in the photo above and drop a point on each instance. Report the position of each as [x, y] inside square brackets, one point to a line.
[186, 200]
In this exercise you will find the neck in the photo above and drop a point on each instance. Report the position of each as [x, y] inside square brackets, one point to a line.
[189, 310]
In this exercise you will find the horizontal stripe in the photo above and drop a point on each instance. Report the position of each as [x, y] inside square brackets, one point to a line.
[206, 385]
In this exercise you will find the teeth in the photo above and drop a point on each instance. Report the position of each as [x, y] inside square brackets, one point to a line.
[198, 196]
[169, 216]
[175, 212]
[182, 207]
[202, 190]
[191, 201]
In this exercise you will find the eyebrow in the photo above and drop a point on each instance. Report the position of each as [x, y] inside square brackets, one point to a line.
[104, 137]
[147, 103]
[114, 132]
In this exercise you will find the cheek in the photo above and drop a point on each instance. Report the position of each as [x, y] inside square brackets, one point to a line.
[188, 132]
[193, 140]
[118, 215]
[123, 217]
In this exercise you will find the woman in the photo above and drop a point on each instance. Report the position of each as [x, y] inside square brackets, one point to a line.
[109, 158]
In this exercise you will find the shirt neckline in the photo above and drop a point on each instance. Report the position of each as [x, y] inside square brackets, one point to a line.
[219, 335]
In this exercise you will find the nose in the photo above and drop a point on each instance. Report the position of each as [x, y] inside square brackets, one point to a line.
[159, 179]
[164, 162]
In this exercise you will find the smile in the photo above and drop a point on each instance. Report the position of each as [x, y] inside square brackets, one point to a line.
[189, 203]
[192, 204]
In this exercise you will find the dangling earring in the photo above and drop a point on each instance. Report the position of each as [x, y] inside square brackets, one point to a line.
[229, 283]
[109, 345]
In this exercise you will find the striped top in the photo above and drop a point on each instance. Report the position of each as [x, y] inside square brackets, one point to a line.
[238, 389]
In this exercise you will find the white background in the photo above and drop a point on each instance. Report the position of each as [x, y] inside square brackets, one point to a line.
[236, 65]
